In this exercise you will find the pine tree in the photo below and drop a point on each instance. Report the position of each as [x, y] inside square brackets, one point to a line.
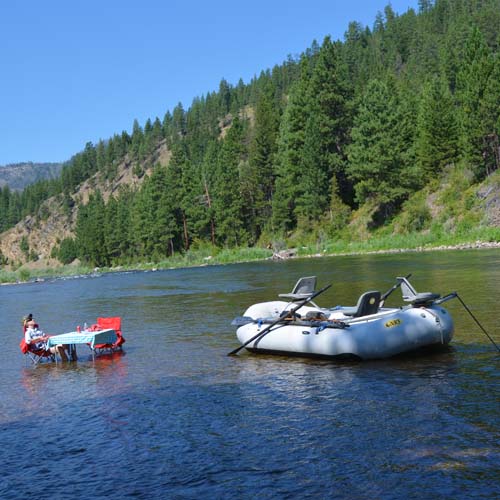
[183, 179]
[150, 141]
[354, 54]
[136, 141]
[424, 6]
[326, 133]
[260, 175]
[101, 156]
[228, 203]
[143, 218]
[117, 226]
[437, 133]
[178, 126]
[290, 152]
[110, 158]
[225, 97]
[167, 125]
[4, 208]
[490, 112]
[376, 155]
[90, 231]
[337, 216]
[312, 199]
[168, 212]
[208, 173]
[472, 82]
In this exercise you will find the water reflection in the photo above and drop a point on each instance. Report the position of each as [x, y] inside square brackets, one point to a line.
[48, 385]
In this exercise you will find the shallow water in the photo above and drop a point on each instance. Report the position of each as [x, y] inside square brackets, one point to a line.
[174, 417]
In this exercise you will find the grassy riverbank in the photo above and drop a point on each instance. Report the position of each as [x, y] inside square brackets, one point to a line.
[193, 258]
[484, 237]
[208, 255]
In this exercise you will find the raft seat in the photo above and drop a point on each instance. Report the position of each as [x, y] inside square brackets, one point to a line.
[424, 299]
[415, 298]
[303, 288]
[368, 303]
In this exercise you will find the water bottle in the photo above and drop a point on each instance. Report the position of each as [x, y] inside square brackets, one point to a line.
[85, 327]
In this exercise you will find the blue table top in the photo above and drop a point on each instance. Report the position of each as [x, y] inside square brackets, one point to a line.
[84, 337]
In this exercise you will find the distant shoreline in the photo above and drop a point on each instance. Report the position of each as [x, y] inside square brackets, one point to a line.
[288, 254]
[478, 245]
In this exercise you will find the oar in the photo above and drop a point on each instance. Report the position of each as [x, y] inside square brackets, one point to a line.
[242, 320]
[453, 295]
[393, 287]
[288, 314]
[477, 321]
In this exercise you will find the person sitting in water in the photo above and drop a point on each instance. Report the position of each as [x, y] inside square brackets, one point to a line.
[37, 340]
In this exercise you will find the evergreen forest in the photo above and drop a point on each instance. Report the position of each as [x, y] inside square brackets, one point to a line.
[369, 120]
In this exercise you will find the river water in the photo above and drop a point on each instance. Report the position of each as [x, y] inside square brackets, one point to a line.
[174, 417]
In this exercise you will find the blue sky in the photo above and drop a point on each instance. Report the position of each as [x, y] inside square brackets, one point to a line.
[83, 70]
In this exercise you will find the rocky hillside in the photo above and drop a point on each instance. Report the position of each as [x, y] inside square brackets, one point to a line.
[43, 233]
[19, 175]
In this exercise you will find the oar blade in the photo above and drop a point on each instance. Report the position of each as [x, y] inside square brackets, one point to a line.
[242, 320]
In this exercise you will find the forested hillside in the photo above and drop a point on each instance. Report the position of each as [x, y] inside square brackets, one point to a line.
[367, 125]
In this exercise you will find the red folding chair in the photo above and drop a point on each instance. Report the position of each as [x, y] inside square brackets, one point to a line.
[35, 355]
[115, 323]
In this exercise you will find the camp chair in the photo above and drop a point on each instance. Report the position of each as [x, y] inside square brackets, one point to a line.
[367, 304]
[114, 323]
[40, 355]
[302, 289]
[35, 355]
